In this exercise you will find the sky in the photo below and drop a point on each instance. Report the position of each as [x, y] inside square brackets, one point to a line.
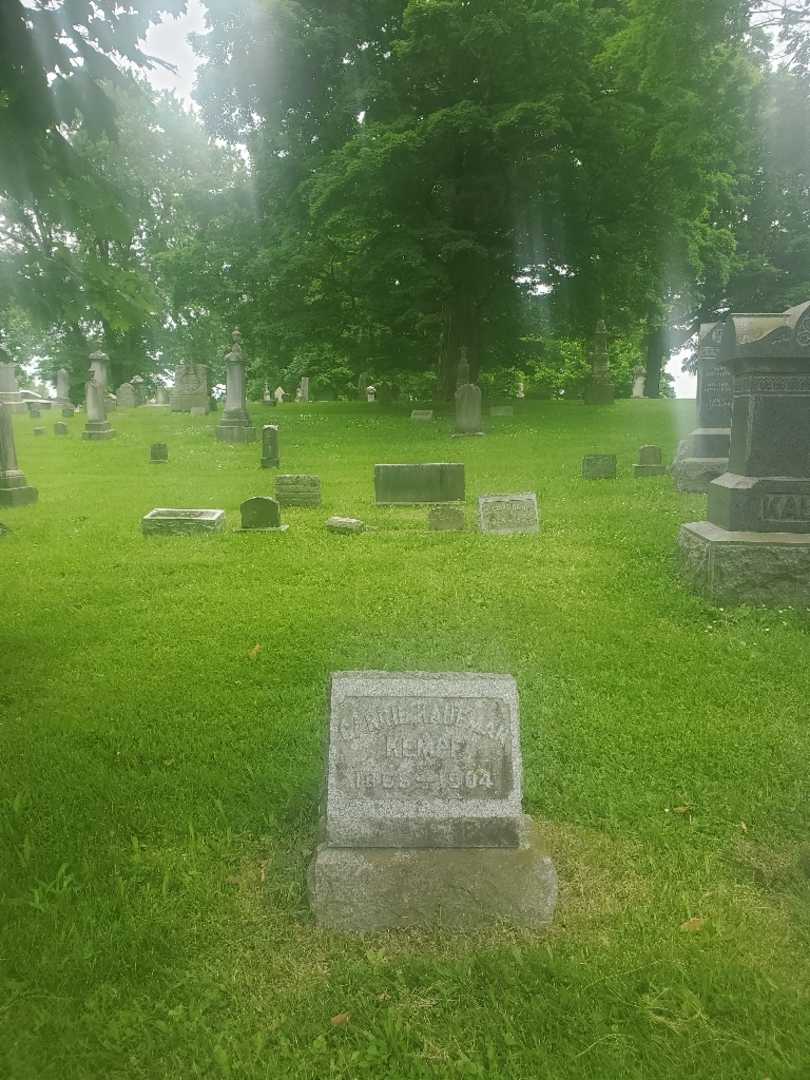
[168, 41]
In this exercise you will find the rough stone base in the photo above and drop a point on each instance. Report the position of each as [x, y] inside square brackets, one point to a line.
[236, 434]
[745, 567]
[695, 474]
[18, 496]
[98, 429]
[649, 470]
[358, 890]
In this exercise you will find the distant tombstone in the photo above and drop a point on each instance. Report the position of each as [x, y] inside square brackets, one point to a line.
[270, 454]
[599, 467]
[639, 381]
[423, 415]
[337, 524]
[599, 390]
[162, 396]
[649, 462]
[704, 456]
[167, 520]
[97, 426]
[298, 490]
[424, 822]
[61, 428]
[520, 393]
[190, 388]
[235, 425]
[140, 390]
[403, 485]
[279, 394]
[33, 411]
[754, 546]
[39, 430]
[14, 491]
[159, 453]
[446, 519]
[371, 393]
[507, 514]
[68, 412]
[468, 400]
[502, 410]
[261, 514]
[125, 396]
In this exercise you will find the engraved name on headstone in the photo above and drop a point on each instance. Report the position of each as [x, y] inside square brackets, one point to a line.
[506, 514]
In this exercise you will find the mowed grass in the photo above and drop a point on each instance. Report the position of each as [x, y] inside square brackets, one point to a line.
[161, 775]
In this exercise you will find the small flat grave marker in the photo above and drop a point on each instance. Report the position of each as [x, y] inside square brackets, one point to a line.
[159, 453]
[506, 514]
[298, 490]
[599, 467]
[337, 524]
[446, 519]
[172, 520]
[60, 429]
[649, 462]
[406, 485]
[423, 415]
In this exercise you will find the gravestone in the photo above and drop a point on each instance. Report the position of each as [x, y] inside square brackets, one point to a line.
[506, 514]
[33, 411]
[14, 491]
[162, 396]
[279, 394]
[39, 430]
[61, 428]
[371, 394]
[190, 388]
[599, 390]
[404, 485]
[97, 426]
[170, 521]
[235, 425]
[125, 396]
[9, 390]
[158, 453]
[139, 388]
[446, 519]
[599, 467]
[468, 400]
[502, 410]
[270, 454]
[754, 546]
[422, 415]
[704, 455]
[649, 462]
[639, 381]
[261, 514]
[337, 524]
[424, 823]
[298, 490]
[68, 412]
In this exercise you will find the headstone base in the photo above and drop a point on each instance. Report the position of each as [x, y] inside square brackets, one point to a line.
[649, 470]
[337, 524]
[466, 434]
[98, 429]
[270, 463]
[18, 496]
[359, 890]
[269, 528]
[745, 567]
[696, 474]
[239, 432]
[171, 520]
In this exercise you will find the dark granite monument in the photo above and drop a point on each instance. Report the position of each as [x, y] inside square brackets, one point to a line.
[703, 455]
[755, 545]
[404, 485]
[261, 514]
[270, 458]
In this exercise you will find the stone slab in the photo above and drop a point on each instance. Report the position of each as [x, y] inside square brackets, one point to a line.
[446, 519]
[408, 485]
[423, 415]
[298, 490]
[39, 430]
[599, 467]
[731, 567]
[173, 520]
[508, 514]
[361, 890]
[418, 759]
[695, 474]
[344, 525]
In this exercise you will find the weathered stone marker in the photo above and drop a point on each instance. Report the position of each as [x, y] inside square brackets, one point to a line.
[703, 455]
[348, 525]
[39, 430]
[171, 520]
[422, 415]
[424, 823]
[14, 491]
[446, 519]
[649, 462]
[298, 490]
[261, 514]
[97, 426]
[755, 545]
[68, 412]
[404, 485]
[505, 514]
[270, 455]
[125, 396]
[159, 453]
[61, 428]
[599, 467]
[190, 389]
[236, 425]
[468, 400]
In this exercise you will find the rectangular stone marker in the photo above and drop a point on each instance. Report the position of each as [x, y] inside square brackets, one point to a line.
[446, 519]
[423, 806]
[506, 514]
[502, 410]
[298, 490]
[39, 430]
[404, 485]
[422, 414]
[599, 467]
[171, 520]
[159, 453]
[649, 462]
[344, 525]
[270, 455]
[261, 514]
[68, 412]
[199, 410]
[60, 428]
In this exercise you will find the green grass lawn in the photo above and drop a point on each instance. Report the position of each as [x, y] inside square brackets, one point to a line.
[160, 777]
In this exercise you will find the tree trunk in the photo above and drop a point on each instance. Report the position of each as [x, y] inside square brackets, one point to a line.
[462, 329]
[657, 353]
